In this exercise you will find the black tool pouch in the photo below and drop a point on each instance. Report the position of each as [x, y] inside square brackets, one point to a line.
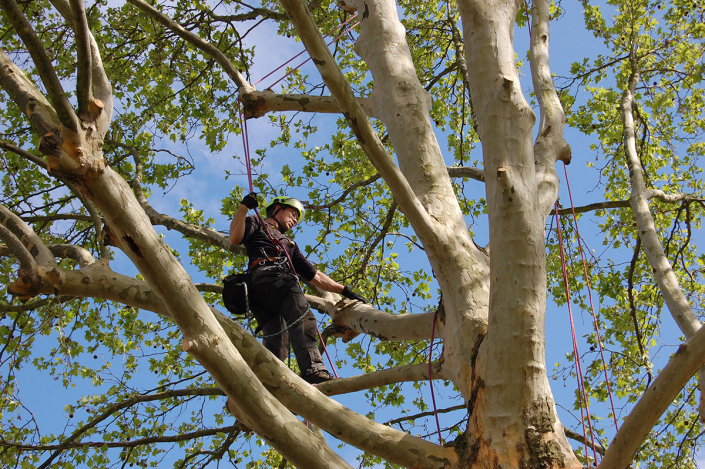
[236, 293]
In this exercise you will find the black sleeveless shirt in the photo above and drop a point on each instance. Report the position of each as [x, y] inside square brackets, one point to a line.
[258, 246]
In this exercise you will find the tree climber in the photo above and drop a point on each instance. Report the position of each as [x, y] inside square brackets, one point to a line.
[276, 300]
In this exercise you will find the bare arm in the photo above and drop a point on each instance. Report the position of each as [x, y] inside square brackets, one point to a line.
[325, 283]
[237, 226]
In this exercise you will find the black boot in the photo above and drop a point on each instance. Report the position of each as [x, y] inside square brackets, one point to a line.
[317, 376]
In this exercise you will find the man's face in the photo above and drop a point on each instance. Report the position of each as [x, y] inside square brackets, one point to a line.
[287, 218]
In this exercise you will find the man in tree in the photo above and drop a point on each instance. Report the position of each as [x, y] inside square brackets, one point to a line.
[278, 302]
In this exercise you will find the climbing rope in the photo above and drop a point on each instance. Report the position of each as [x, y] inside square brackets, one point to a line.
[430, 377]
[584, 406]
[589, 290]
[303, 51]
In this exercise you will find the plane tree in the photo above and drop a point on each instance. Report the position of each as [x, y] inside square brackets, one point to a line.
[415, 126]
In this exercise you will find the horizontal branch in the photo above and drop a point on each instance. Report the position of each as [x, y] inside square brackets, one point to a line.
[33, 305]
[467, 172]
[384, 326]
[650, 194]
[70, 251]
[110, 410]
[374, 379]
[122, 444]
[259, 103]
[407, 418]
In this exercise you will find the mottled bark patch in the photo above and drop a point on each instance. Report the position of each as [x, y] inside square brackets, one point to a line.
[542, 455]
[540, 420]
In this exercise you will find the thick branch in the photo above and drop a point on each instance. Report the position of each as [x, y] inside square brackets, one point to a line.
[466, 172]
[43, 64]
[204, 46]
[97, 281]
[259, 103]
[665, 277]
[31, 102]
[28, 266]
[401, 374]
[653, 250]
[29, 238]
[384, 326]
[102, 108]
[550, 144]
[664, 389]
[84, 80]
[69, 251]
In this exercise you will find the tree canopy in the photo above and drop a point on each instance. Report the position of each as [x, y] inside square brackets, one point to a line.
[428, 145]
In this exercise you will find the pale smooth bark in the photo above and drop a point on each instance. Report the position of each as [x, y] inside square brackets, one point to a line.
[373, 379]
[512, 418]
[42, 62]
[79, 155]
[259, 103]
[365, 319]
[403, 104]
[689, 357]
[665, 277]
[357, 119]
[550, 145]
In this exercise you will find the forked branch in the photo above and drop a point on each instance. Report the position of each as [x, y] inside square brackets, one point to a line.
[550, 145]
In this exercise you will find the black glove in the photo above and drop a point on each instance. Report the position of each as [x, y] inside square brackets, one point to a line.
[353, 295]
[250, 200]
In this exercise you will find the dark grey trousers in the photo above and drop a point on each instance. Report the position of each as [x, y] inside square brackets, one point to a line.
[277, 302]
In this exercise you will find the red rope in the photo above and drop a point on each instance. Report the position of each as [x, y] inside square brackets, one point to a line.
[589, 289]
[581, 384]
[245, 145]
[302, 63]
[430, 378]
[303, 51]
